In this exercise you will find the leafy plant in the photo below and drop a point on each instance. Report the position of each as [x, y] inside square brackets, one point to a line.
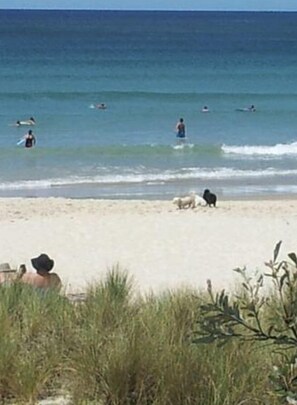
[253, 316]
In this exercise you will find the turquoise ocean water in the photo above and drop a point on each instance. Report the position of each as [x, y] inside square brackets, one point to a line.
[150, 68]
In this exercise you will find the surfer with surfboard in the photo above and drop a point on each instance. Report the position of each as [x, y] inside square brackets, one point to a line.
[251, 108]
[30, 121]
[101, 106]
[29, 139]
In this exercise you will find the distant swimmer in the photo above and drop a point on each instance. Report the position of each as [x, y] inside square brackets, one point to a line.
[30, 121]
[181, 130]
[205, 109]
[101, 106]
[251, 108]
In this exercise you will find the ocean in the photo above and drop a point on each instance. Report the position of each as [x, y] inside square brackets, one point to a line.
[150, 69]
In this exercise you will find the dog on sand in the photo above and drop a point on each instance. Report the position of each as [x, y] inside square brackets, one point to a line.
[210, 198]
[199, 201]
[185, 202]
[190, 201]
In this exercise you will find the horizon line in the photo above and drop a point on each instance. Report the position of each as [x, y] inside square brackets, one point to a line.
[151, 10]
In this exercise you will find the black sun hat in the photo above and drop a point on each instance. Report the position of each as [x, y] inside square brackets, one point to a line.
[42, 262]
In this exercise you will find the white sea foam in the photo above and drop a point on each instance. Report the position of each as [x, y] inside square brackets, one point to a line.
[147, 178]
[265, 150]
[183, 146]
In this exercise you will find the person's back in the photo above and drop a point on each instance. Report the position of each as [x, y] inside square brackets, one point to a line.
[181, 129]
[42, 281]
[30, 139]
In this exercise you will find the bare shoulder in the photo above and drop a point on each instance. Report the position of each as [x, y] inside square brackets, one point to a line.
[55, 281]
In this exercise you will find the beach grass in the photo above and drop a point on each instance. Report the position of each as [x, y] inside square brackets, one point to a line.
[119, 348]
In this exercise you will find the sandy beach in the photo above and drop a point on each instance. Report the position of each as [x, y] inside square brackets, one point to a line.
[160, 246]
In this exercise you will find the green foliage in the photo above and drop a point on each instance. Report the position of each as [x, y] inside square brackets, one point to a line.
[30, 348]
[116, 348]
[252, 316]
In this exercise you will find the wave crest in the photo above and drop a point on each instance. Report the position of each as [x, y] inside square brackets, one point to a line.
[194, 173]
[279, 149]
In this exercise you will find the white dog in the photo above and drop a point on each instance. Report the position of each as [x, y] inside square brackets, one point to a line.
[190, 201]
[185, 202]
[200, 201]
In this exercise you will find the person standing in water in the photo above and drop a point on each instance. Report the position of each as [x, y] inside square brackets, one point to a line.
[30, 139]
[181, 130]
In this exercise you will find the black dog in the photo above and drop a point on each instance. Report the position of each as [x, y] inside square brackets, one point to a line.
[210, 198]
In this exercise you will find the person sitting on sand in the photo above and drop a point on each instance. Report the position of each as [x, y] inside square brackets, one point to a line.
[8, 275]
[42, 279]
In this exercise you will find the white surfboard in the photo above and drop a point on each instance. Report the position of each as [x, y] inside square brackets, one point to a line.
[21, 141]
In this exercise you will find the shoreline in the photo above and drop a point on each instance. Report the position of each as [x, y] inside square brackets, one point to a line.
[165, 198]
[236, 189]
[160, 246]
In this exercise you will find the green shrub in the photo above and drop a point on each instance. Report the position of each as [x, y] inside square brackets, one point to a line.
[253, 316]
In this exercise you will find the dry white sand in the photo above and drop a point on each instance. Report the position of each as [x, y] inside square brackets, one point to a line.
[160, 246]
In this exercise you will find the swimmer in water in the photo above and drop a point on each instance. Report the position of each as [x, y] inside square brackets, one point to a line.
[30, 121]
[251, 108]
[205, 109]
[101, 106]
